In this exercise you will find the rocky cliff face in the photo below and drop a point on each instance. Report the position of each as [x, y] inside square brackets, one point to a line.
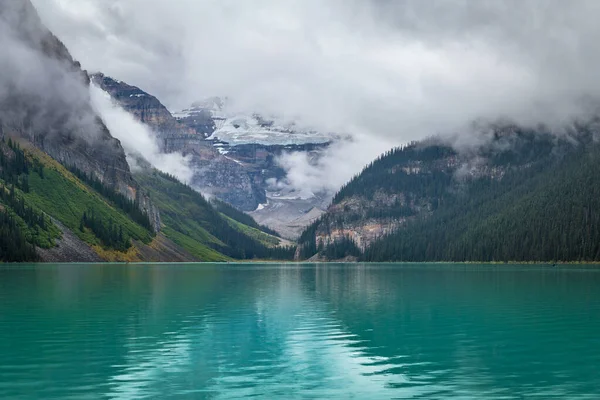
[48, 102]
[237, 173]
[145, 107]
[214, 173]
[255, 143]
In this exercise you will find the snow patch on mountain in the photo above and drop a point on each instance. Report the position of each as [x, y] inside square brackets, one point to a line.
[252, 129]
[239, 128]
[212, 106]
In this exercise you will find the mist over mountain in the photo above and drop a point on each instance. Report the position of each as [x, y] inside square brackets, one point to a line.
[44, 98]
[67, 192]
[236, 157]
[495, 98]
[385, 72]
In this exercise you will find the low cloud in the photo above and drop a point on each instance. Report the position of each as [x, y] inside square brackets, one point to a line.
[385, 72]
[40, 94]
[325, 173]
[137, 139]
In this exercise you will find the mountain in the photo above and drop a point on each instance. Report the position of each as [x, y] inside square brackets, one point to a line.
[203, 115]
[213, 172]
[48, 102]
[66, 190]
[145, 107]
[239, 128]
[257, 142]
[193, 223]
[525, 195]
[233, 155]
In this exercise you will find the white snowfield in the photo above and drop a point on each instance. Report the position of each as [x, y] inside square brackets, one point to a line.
[242, 128]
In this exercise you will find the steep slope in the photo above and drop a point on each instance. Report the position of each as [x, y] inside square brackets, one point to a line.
[191, 222]
[431, 193]
[238, 164]
[48, 102]
[66, 190]
[50, 213]
[50, 205]
[145, 107]
[215, 173]
[546, 215]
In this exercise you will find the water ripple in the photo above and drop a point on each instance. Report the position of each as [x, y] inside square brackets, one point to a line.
[338, 332]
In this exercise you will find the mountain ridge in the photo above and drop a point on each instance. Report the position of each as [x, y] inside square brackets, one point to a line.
[239, 173]
[67, 193]
[417, 202]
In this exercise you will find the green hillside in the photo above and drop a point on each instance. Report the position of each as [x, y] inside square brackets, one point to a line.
[241, 217]
[36, 190]
[193, 223]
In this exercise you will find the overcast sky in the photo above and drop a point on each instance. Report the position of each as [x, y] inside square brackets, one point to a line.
[386, 71]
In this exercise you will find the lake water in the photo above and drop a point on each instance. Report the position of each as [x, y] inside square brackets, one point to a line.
[299, 332]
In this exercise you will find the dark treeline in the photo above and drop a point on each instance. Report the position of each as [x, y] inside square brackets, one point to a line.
[541, 213]
[14, 166]
[20, 224]
[13, 243]
[131, 207]
[110, 234]
[384, 173]
[17, 204]
[240, 216]
[307, 243]
[14, 171]
[341, 248]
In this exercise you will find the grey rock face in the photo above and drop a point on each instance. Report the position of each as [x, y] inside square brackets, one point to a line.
[48, 103]
[144, 107]
[227, 180]
[215, 174]
[237, 174]
[69, 249]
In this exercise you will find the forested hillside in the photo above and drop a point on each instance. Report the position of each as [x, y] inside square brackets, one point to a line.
[36, 190]
[551, 215]
[527, 196]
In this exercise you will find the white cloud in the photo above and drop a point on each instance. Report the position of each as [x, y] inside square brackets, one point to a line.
[386, 72]
[137, 139]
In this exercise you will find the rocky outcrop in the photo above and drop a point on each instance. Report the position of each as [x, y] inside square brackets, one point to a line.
[69, 248]
[48, 103]
[145, 108]
[202, 116]
[240, 173]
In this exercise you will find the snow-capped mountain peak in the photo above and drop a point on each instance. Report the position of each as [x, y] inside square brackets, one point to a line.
[238, 128]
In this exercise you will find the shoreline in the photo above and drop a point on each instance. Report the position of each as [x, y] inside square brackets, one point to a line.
[264, 262]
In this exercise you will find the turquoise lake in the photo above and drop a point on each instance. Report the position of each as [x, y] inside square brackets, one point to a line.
[336, 331]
